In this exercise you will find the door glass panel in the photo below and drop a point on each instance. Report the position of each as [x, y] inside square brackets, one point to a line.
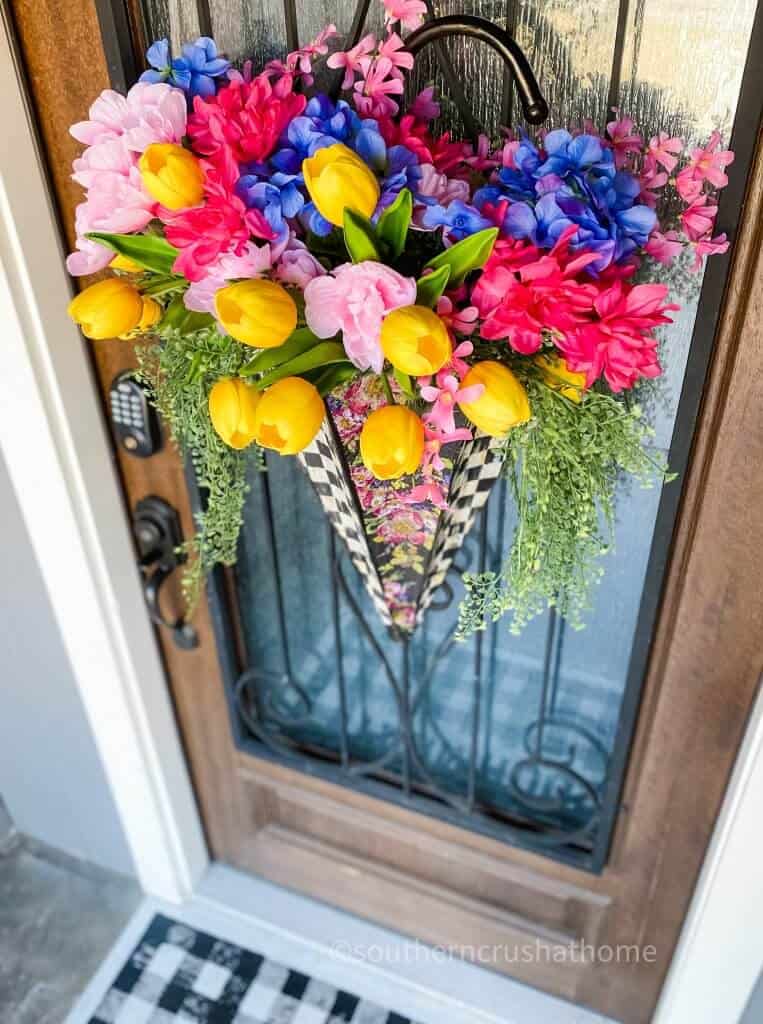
[515, 736]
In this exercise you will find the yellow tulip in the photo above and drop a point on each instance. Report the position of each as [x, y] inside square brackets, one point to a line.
[503, 403]
[172, 175]
[392, 442]
[125, 264]
[556, 373]
[337, 178]
[232, 407]
[289, 415]
[107, 309]
[415, 340]
[256, 312]
[150, 314]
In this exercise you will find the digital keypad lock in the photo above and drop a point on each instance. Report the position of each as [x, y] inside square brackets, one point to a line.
[136, 422]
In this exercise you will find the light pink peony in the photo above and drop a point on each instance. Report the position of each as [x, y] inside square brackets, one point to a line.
[151, 112]
[119, 129]
[354, 300]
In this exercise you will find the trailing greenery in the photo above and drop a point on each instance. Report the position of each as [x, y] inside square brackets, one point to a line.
[564, 466]
[180, 369]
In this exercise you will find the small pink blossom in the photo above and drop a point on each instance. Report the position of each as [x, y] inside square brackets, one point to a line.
[463, 321]
[698, 218]
[373, 94]
[623, 140]
[393, 48]
[652, 181]
[431, 461]
[662, 149]
[410, 13]
[664, 247]
[354, 299]
[429, 492]
[688, 186]
[350, 60]
[424, 106]
[708, 162]
[707, 247]
[299, 63]
[444, 396]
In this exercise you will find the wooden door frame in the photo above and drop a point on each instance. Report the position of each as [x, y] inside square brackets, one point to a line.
[692, 697]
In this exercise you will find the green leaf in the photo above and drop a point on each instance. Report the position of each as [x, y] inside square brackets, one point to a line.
[430, 287]
[405, 383]
[333, 376]
[359, 237]
[184, 320]
[393, 224]
[298, 342]
[324, 354]
[469, 254]
[147, 251]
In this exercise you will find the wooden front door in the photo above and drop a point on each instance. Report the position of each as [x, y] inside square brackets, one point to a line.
[567, 784]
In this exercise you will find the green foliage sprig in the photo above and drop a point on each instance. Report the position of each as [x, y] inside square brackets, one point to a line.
[180, 369]
[564, 466]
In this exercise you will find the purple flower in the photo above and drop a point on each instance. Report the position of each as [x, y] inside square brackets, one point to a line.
[195, 72]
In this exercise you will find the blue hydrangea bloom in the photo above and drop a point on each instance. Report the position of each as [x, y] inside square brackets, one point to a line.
[576, 184]
[458, 218]
[195, 72]
[277, 198]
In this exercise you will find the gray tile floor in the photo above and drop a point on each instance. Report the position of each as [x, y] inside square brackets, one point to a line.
[58, 919]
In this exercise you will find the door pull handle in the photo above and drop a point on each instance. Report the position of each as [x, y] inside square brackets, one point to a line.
[159, 538]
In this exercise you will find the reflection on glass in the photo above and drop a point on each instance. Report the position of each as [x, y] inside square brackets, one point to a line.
[518, 727]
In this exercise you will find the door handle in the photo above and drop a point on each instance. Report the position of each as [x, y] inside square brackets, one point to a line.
[159, 538]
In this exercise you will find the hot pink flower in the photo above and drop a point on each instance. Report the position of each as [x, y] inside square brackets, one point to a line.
[350, 60]
[410, 13]
[354, 299]
[698, 218]
[483, 159]
[662, 149]
[431, 460]
[244, 120]
[623, 139]
[708, 162]
[619, 343]
[221, 224]
[523, 293]
[664, 247]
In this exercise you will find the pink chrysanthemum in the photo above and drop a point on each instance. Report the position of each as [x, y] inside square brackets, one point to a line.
[245, 120]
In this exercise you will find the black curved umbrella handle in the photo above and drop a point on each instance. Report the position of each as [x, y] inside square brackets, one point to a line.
[534, 105]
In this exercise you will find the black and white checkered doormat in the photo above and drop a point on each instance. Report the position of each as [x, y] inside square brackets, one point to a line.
[178, 975]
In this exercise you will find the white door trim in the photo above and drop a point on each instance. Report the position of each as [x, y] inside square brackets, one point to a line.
[58, 455]
[53, 440]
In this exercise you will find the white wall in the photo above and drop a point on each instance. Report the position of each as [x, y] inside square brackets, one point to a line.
[51, 776]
